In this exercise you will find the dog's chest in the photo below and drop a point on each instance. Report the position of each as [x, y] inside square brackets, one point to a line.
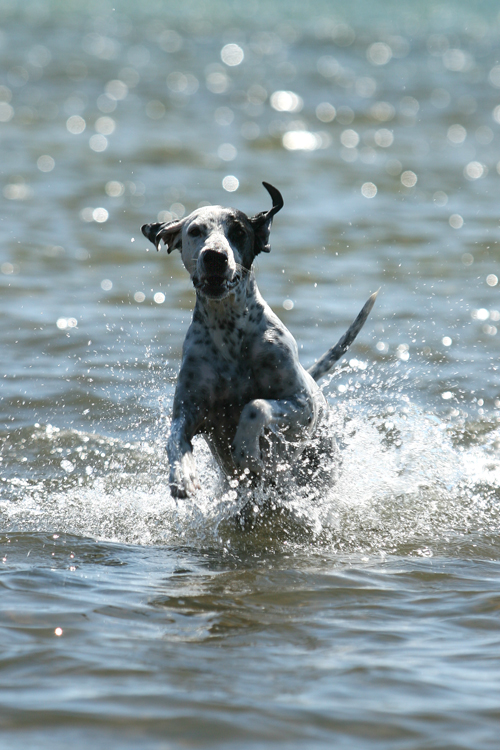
[216, 364]
[235, 378]
[234, 354]
[232, 386]
[227, 341]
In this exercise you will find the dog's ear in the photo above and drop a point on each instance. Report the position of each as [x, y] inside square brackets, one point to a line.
[261, 223]
[169, 232]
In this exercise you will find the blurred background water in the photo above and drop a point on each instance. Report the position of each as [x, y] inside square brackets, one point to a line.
[368, 616]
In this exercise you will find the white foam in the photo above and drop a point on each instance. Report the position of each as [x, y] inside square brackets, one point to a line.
[404, 476]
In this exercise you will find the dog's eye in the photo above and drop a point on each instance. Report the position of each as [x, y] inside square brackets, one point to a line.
[194, 231]
[236, 232]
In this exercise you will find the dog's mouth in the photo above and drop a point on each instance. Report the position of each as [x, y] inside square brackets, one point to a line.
[216, 287]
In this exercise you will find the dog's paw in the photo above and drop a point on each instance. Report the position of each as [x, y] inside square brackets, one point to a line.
[184, 479]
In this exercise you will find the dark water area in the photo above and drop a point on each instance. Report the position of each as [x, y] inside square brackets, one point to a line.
[362, 616]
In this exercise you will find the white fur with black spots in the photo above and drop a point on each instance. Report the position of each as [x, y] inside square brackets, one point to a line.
[241, 383]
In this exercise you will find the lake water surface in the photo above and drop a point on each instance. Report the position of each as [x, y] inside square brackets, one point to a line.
[363, 616]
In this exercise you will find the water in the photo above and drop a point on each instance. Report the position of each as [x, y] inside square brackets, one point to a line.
[361, 616]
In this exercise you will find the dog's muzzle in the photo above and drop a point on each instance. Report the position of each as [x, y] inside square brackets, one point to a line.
[214, 263]
[216, 279]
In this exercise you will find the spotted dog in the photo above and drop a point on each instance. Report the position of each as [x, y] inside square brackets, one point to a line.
[241, 384]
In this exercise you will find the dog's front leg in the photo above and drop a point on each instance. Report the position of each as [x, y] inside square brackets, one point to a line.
[183, 475]
[293, 417]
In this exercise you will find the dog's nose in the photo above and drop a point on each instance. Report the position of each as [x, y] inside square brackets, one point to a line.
[215, 262]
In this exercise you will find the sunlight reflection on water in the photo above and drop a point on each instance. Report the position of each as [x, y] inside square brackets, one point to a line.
[361, 614]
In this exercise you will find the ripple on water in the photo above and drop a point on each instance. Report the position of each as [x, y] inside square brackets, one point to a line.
[362, 613]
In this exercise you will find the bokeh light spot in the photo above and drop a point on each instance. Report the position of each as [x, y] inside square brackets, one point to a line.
[369, 190]
[232, 54]
[456, 221]
[45, 163]
[230, 183]
[75, 124]
[409, 178]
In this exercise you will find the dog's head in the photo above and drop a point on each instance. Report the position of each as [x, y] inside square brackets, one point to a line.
[218, 245]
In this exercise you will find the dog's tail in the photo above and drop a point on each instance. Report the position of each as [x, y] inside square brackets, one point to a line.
[325, 363]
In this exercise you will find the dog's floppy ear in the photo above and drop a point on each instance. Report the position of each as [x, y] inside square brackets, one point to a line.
[261, 223]
[169, 232]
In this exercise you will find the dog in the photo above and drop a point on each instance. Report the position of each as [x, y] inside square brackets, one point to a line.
[241, 384]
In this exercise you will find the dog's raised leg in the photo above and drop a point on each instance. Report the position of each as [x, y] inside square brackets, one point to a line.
[291, 418]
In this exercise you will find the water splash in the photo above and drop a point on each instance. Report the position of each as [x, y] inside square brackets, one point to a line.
[408, 482]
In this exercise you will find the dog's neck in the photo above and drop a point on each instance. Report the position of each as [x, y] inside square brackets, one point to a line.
[226, 319]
